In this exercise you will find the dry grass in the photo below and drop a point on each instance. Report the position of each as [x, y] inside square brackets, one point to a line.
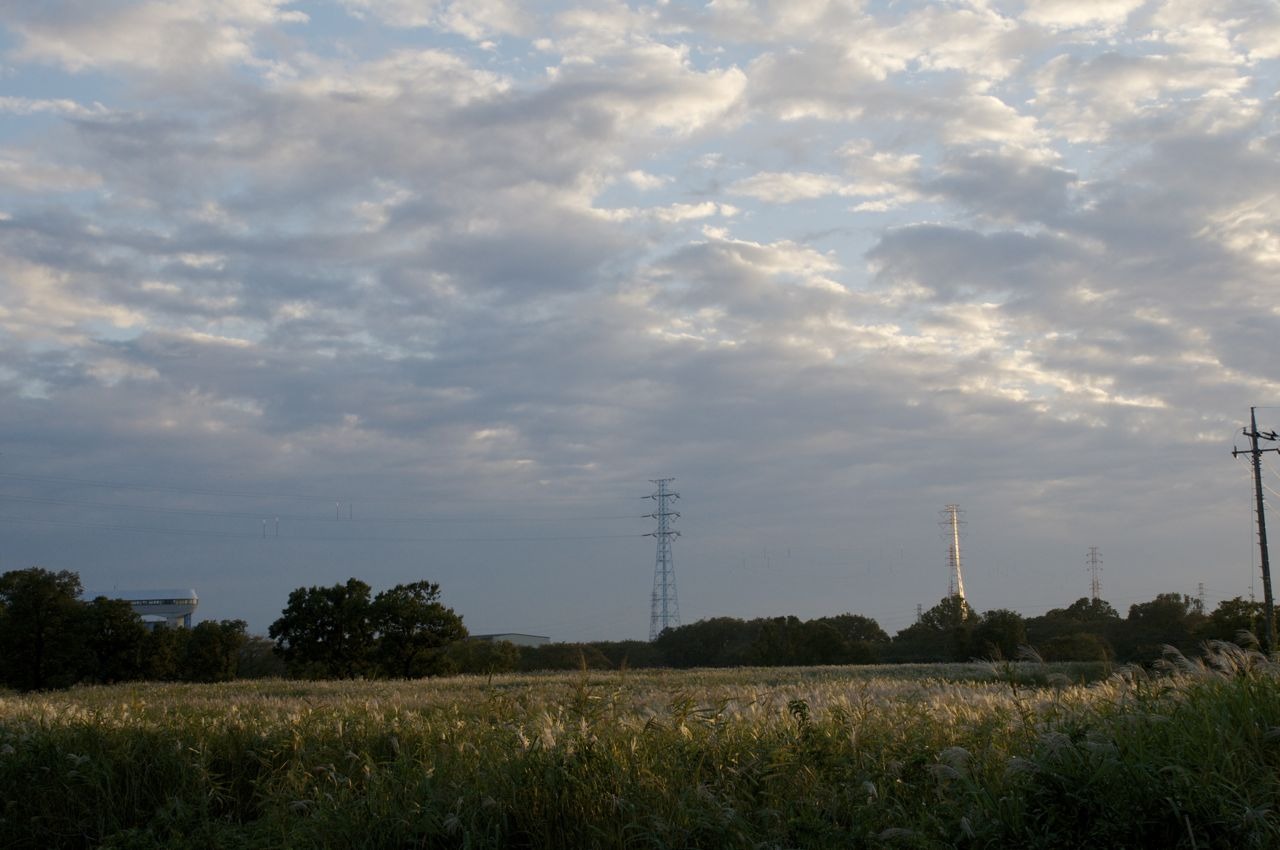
[945, 755]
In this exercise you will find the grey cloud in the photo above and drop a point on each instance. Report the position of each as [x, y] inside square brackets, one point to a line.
[391, 273]
[956, 263]
[1004, 188]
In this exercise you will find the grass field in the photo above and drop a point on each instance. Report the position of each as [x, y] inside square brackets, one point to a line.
[1021, 755]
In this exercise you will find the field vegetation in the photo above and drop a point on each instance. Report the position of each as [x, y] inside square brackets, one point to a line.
[1019, 754]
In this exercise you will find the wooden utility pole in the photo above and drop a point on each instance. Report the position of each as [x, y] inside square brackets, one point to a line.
[1267, 640]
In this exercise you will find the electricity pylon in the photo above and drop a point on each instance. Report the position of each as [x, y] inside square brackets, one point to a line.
[664, 606]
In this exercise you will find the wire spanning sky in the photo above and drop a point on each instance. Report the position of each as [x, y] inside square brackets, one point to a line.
[292, 292]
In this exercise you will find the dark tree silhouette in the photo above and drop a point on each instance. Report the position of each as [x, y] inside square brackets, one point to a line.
[39, 628]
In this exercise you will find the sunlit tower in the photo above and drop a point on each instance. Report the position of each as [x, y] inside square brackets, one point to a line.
[1094, 562]
[951, 524]
[664, 610]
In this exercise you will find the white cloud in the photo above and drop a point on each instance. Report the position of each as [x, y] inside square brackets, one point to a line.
[45, 306]
[1084, 98]
[1074, 13]
[644, 181]
[692, 212]
[422, 76]
[473, 19]
[59, 106]
[149, 36]
[784, 188]
[18, 171]
[654, 88]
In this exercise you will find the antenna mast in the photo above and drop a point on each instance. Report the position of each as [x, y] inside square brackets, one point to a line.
[951, 524]
[664, 607]
[1094, 562]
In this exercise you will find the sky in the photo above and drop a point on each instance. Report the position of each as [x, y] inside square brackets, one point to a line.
[416, 289]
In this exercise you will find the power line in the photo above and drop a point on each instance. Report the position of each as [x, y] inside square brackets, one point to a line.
[183, 532]
[250, 494]
[193, 532]
[42, 500]
[160, 488]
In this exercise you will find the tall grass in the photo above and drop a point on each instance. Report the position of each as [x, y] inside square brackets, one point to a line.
[1017, 755]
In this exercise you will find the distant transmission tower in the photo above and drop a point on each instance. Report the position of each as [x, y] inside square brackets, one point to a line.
[664, 610]
[951, 524]
[1094, 562]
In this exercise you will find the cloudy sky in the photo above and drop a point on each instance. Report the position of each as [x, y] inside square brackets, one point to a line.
[404, 289]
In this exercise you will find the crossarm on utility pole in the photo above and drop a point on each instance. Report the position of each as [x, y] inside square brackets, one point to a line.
[1255, 453]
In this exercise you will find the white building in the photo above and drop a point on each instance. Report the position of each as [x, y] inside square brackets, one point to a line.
[165, 606]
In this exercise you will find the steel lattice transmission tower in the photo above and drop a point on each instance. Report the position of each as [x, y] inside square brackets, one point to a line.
[951, 525]
[664, 610]
[1094, 562]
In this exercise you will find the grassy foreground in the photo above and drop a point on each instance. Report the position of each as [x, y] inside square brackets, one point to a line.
[939, 756]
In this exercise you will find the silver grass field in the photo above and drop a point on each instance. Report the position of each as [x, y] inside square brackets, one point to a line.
[1006, 754]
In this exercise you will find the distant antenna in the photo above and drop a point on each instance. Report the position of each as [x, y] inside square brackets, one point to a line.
[951, 524]
[1094, 563]
[919, 612]
[664, 607]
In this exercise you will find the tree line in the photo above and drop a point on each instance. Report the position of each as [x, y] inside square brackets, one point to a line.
[51, 638]
[1086, 630]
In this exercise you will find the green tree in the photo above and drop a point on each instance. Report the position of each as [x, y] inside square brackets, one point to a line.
[326, 631]
[1076, 646]
[1089, 610]
[412, 628]
[1000, 634]
[481, 657]
[1170, 619]
[114, 640]
[855, 627]
[562, 656]
[213, 650]
[714, 642]
[864, 641]
[943, 633]
[258, 659]
[782, 640]
[631, 653]
[1231, 618]
[162, 653]
[1083, 631]
[40, 634]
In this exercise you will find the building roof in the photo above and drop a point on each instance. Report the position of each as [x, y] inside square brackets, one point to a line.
[145, 594]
